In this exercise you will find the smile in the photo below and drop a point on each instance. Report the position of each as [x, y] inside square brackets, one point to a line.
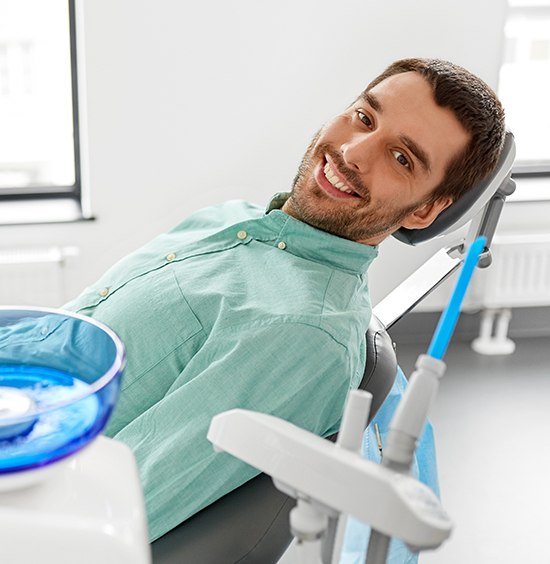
[333, 182]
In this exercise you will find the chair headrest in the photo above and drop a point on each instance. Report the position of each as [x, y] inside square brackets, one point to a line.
[467, 206]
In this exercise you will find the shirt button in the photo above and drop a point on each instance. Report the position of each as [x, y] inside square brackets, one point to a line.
[242, 235]
[103, 292]
[171, 256]
[281, 245]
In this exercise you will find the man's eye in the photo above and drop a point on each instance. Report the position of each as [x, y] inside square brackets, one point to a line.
[401, 159]
[364, 118]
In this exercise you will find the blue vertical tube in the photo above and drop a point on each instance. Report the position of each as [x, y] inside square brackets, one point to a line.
[447, 321]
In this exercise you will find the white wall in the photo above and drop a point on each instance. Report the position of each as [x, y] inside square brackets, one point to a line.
[191, 103]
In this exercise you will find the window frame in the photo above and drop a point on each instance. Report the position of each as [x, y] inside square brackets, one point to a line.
[51, 192]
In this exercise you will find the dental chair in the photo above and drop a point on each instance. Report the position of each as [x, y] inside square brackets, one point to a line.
[251, 524]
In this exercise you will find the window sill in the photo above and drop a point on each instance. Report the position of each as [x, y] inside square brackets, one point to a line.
[40, 211]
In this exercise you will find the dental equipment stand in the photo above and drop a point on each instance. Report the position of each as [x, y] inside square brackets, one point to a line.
[412, 412]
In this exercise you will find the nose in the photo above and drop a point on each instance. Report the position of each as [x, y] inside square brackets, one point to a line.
[359, 150]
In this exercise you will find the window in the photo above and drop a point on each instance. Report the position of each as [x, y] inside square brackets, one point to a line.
[39, 151]
[524, 85]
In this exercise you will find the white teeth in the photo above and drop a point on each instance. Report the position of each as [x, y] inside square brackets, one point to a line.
[335, 181]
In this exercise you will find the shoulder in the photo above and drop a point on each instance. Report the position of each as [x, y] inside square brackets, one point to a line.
[221, 215]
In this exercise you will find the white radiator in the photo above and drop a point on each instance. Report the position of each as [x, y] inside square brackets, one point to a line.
[33, 276]
[519, 276]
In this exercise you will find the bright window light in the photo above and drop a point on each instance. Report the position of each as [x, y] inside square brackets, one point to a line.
[524, 85]
[37, 136]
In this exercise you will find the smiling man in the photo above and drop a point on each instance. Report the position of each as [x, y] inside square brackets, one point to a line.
[373, 169]
[389, 160]
[239, 307]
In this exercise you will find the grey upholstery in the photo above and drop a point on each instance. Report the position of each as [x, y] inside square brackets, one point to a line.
[250, 525]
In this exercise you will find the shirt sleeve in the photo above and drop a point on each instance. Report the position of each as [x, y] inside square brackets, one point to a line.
[294, 371]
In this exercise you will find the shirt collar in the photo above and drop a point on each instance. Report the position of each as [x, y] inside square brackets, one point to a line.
[311, 243]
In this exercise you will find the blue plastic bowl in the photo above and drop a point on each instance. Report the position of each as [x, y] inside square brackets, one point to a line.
[60, 376]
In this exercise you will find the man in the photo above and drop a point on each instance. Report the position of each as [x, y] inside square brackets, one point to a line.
[237, 307]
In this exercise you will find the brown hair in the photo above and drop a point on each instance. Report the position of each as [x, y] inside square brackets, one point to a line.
[476, 107]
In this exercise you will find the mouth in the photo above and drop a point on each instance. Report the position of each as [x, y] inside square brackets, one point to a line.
[332, 181]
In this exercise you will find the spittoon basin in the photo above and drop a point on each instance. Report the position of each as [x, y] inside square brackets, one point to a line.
[60, 376]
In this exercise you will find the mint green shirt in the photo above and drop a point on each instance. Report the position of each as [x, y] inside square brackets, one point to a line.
[232, 308]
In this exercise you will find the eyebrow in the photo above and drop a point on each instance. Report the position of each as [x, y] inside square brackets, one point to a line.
[372, 100]
[412, 145]
[417, 151]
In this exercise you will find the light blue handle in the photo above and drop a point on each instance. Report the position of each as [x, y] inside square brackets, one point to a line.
[449, 317]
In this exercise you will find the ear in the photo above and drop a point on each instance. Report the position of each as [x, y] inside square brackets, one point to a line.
[425, 214]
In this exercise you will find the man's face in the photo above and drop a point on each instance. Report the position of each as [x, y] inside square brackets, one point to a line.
[373, 168]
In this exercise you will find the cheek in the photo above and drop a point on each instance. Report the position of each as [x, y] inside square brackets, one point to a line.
[389, 190]
[333, 130]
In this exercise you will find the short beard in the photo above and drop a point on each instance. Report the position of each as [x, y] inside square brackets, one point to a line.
[359, 223]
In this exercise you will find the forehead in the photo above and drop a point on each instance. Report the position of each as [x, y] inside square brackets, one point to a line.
[406, 107]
